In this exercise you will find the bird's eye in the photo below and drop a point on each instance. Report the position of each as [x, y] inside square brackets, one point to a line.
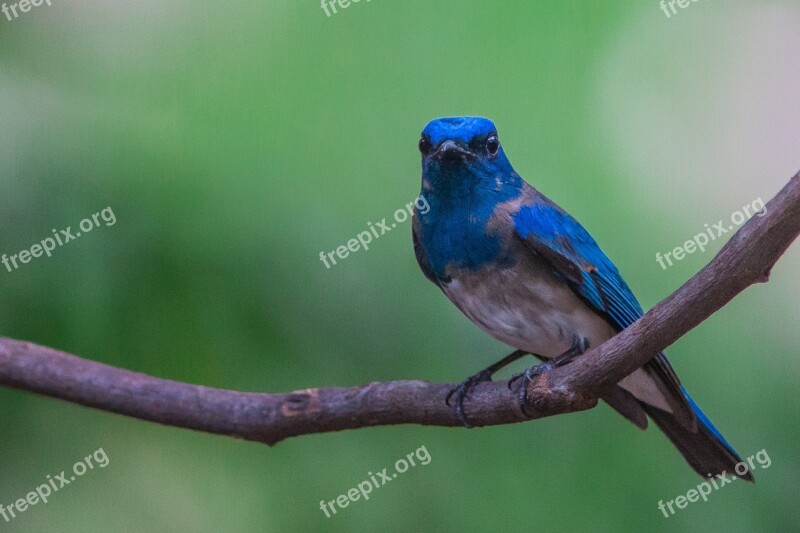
[492, 144]
[424, 145]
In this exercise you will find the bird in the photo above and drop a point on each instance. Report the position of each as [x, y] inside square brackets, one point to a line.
[528, 274]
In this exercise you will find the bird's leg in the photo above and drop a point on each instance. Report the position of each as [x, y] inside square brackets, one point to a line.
[579, 347]
[467, 385]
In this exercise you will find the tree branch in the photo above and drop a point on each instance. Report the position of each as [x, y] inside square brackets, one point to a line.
[746, 259]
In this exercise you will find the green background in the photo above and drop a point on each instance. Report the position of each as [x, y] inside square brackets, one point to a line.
[235, 141]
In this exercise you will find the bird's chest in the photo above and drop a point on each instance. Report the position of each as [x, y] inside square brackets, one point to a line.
[525, 306]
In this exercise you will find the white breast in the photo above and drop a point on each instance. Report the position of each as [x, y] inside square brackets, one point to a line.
[527, 308]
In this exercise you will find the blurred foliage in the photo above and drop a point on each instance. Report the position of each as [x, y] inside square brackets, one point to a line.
[235, 142]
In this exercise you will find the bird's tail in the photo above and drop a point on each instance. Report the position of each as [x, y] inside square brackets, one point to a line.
[706, 450]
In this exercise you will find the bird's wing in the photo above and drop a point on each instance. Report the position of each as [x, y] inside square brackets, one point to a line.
[575, 256]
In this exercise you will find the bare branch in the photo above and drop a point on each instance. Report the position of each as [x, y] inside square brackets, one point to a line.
[747, 259]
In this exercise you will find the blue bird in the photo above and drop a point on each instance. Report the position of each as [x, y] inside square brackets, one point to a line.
[529, 275]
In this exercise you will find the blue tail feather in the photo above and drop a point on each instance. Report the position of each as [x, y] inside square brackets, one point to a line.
[705, 449]
[706, 422]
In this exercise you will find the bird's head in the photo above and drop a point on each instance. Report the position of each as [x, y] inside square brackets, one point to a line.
[463, 154]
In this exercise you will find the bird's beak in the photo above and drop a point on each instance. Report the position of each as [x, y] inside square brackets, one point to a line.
[451, 151]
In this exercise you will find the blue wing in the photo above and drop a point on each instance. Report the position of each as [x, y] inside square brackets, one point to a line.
[575, 256]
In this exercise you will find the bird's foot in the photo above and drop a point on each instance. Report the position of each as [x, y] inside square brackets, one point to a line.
[520, 382]
[579, 346]
[460, 393]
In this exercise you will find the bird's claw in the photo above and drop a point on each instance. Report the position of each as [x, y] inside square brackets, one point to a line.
[461, 391]
[525, 378]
